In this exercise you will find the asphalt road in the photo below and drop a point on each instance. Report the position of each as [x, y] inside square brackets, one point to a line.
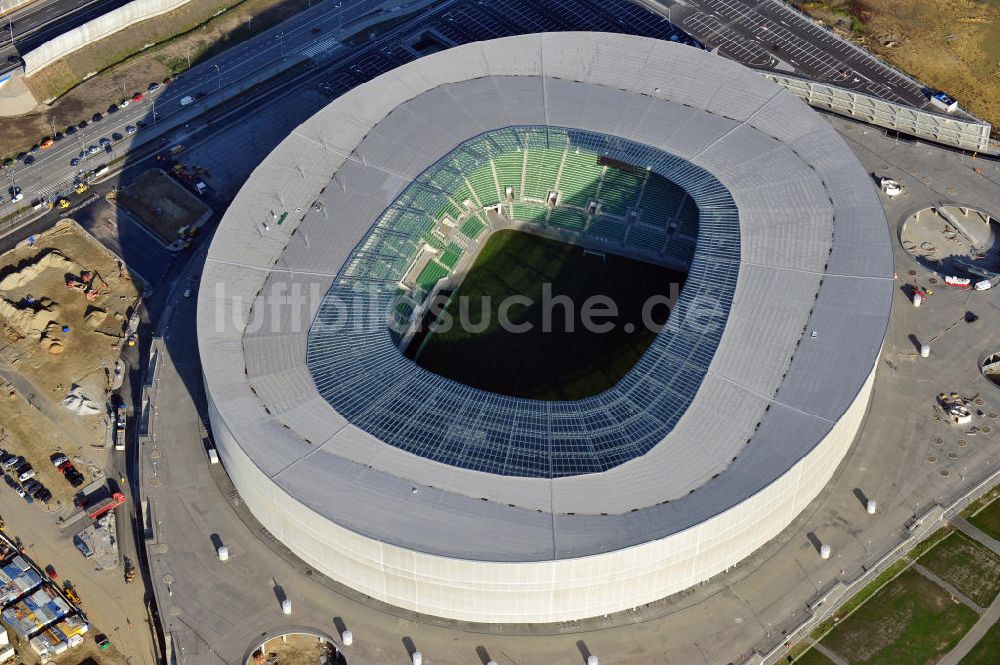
[44, 20]
[51, 173]
[769, 35]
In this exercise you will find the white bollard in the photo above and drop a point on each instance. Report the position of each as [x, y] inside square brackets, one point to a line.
[347, 637]
[492, 662]
[824, 551]
[917, 299]
[418, 658]
[592, 660]
[223, 553]
[872, 506]
[286, 606]
[925, 350]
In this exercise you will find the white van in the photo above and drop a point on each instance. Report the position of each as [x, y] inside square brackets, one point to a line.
[187, 99]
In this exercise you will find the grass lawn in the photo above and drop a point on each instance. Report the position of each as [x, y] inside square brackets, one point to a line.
[912, 621]
[555, 361]
[987, 649]
[987, 520]
[970, 567]
[813, 657]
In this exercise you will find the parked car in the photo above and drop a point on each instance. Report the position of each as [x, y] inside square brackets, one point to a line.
[93, 150]
[77, 480]
[123, 103]
[137, 97]
[108, 149]
[201, 94]
[34, 149]
[58, 136]
[74, 162]
[26, 474]
[113, 108]
[71, 129]
[20, 492]
[116, 137]
[30, 159]
[57, 459]
[27, 497]
[13, 462]
[104, 140]
[141, 124]
[51, 572]
[131, 129]
[10, 481]
[97, 117]
[43, 495]
[32, 486]
[153, 87]
[83, 123]
[46, 143]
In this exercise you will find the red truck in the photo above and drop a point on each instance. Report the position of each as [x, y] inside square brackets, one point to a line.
[104, 505]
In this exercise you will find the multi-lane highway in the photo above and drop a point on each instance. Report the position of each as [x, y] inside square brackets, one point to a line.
[27, 27]
[310, 34]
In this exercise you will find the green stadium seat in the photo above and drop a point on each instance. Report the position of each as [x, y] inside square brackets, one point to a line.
[526, 212]
[510, 167]
[619, 191]
[646, 237]
[607, 229]
[430, 275]
[568, 219]
[660, 200]
[451, 256]
[482, 183]
[472, 227]
[541, 171]
[579, 178]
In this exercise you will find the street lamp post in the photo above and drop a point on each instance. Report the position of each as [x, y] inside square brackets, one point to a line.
[219, 72]
[281, 39]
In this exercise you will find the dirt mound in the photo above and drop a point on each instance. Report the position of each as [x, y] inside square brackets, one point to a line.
[29, 319]
[30, 269]
[95, 316]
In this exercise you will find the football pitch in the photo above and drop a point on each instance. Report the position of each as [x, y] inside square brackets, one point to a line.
[542, 353]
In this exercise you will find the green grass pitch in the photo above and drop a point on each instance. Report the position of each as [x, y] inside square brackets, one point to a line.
[553, 364]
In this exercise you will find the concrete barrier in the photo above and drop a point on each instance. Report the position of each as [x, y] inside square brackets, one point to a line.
[99, 28]
[964, 132]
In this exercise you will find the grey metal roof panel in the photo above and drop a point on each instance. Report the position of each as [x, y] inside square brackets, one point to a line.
[509, 70]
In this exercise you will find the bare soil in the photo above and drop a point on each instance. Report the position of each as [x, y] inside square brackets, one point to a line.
[951, 45]
[40, 364]
[161, 204]
[296, 649]
[129, 60]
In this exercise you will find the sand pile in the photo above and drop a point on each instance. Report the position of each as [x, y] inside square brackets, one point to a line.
[29, 320]
[31, 269]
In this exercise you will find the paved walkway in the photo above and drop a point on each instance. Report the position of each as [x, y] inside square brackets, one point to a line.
[947, 586]
[832, 655]
[973, 532]
[972, 637]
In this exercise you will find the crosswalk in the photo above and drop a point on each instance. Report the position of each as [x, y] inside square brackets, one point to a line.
[324, 46]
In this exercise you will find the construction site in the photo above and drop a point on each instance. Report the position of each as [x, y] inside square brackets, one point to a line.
[166, 209]
[65, 309]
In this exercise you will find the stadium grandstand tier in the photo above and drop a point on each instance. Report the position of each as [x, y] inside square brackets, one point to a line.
[441, 498]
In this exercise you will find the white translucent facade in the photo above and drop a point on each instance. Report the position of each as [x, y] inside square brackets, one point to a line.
[779, 406]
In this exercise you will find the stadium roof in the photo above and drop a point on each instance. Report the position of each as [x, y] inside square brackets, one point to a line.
[808, 315]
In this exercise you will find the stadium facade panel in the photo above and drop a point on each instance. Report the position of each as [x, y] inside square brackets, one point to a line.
[776, 409]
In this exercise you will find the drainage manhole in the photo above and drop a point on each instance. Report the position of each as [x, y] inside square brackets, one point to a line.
[993, 415]
[931, 459]
[162, 548]
[961, 443]
[938, 440]
[912, 272]
[985, 429]
[952, 455]
[980, 401]
[932, 280]
[945, 472]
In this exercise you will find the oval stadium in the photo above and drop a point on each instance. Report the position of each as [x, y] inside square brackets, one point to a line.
[480, 463]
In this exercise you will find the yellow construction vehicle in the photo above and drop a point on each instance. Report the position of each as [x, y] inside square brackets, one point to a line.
[71, 593]
[81, 188]
[62, 203]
